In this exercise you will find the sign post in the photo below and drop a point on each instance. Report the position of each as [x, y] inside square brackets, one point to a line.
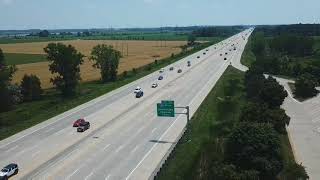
[167, 109]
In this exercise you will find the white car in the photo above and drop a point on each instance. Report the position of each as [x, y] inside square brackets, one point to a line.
[154, 85]
[8, 171]
[138, 89]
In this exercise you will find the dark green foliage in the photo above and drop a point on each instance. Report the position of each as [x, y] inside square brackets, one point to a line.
[296, 172]
[305, 86]
[255, 146]
[107, 60]
[191, 39]
[272, 93]
[134, 71]
[31, 88]
[217, 31]
[258, 44]
[299, 29]
[44, 33]
[6, 94]
[222, 171]
[65, 63]
[292, 44]
[260, 113]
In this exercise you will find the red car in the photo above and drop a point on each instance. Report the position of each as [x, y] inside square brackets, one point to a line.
[78, 122]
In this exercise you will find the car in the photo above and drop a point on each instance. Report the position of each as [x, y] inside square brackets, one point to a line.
[226, 53]
[154, 85]
[220, 54]
[204, 53]
[225, 58]
[9, 170]
[138, 89]
[234, 49]
[78, 122]
[171, 68]
[83, 127]
[208, 49]
[139, 94]
[160, 77]
[161, 71]
[198, 57]
[180, 71]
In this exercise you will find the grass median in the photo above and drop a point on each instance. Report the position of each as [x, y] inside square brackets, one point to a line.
[52, 103]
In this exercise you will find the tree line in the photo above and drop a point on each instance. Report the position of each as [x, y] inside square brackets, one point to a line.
[64, 64]
[285, 54]
[299, 29]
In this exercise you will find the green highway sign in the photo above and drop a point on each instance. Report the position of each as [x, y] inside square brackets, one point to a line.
[165, 109]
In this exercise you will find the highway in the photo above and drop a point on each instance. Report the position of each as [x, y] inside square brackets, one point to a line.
[126, 139]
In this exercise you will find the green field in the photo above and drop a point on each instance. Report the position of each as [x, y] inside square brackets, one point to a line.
[168, 36]
[52, 103]
[16, 59]
[248, 57]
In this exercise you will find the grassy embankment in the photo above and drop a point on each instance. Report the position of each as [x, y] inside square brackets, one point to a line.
[16, 58]
[28, 114]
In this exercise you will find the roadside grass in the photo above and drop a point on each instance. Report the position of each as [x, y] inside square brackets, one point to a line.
[214, 118]
[247, 56]
[287, 155]
[16, 58]
[52, 103]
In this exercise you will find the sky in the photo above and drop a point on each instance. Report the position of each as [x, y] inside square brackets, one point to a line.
[70, 14]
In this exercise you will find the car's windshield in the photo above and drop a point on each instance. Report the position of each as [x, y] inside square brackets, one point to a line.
[4, 170]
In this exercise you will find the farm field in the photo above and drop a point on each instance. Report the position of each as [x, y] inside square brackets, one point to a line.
[135, 54]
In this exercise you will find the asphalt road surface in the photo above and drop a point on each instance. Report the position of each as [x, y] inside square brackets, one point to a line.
[126, 139]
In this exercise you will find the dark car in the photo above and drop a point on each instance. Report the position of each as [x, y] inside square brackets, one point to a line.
[8, 171]
[180, 71]
[171, 69]
[78, 122]
[226, 53]
[83, 127]
[208, 49]
[160, 77]
[198, 57]
[139, 94]
[220, 54]
[225, 58]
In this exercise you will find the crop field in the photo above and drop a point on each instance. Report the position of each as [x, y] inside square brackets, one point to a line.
[135, 54]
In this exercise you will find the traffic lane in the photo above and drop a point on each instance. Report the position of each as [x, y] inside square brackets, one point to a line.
[112, 167]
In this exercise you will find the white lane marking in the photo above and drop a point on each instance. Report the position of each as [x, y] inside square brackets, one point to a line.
[34, 154]
[74, 172]
[106, 147]
[134, 149]
[153, 130]
[89, 176]
[146, 155]
[119, 148]
[12, 148]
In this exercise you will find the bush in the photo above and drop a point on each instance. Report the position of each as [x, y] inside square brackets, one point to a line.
[295, 171]
[125, 74]
[31, 88]
[134, 71]
[305, 86]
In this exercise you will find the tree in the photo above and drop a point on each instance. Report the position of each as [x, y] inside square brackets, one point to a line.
[258, 44]
[65, 63]
[296, 171]
[191, 39]
[44, 33]
[107, 60]
[255, 146]
[305, 86]
[6, 73]
[260, 113]
[272, 93]
[31, 87]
